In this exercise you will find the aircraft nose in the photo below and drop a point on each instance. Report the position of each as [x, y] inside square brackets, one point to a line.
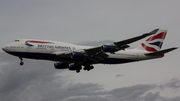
[4, 48]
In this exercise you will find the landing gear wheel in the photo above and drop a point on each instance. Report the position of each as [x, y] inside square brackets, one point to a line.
[85, 68]
[77, 71]
[88, 67]
[21, 63]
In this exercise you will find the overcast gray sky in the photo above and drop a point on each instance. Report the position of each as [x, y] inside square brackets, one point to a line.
[92, 22]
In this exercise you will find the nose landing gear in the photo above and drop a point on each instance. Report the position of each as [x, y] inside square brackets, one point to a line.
[21, 63]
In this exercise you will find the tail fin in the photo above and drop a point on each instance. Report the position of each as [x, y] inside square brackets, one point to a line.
[154, 42]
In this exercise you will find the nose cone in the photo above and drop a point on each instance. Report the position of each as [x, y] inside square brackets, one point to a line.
[4, 48]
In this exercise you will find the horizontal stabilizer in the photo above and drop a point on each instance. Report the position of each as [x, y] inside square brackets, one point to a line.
[161, 52]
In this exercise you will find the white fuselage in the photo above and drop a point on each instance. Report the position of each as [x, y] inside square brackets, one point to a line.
[47, 50]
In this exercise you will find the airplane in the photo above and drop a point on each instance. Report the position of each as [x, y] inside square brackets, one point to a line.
[73, 57]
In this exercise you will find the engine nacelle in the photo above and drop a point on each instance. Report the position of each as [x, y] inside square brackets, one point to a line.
[109, 48]
[78, 55]
[74, 67]
[60, 65]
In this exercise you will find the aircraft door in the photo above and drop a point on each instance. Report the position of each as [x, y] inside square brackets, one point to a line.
[137, 56]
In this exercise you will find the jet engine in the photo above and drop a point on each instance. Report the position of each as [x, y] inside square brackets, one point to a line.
[72, 66]
[112, 49]
[78, 55]
[109, 48]
[60, 65]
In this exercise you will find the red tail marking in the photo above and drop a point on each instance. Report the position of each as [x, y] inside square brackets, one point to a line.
[150, 49]
[32, 41]
[161, 35]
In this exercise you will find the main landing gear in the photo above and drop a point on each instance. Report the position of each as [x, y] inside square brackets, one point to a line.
[78, 69]
[21, 63]
[88, 67]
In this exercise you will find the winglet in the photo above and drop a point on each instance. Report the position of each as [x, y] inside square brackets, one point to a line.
[151, 33]
[154, 31]
[161, 52]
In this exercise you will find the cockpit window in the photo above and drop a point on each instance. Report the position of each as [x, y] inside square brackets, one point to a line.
[16, 41]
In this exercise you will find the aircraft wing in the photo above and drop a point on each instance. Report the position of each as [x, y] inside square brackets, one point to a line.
[131, 40]
[97, 54]
[120, 45]
[93, 54]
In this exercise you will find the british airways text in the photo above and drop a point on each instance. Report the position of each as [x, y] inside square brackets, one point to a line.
[57, 47]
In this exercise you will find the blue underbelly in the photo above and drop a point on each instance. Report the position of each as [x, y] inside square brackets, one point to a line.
[53, 57]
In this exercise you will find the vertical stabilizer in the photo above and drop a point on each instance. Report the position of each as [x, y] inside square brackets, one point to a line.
[154, 42]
